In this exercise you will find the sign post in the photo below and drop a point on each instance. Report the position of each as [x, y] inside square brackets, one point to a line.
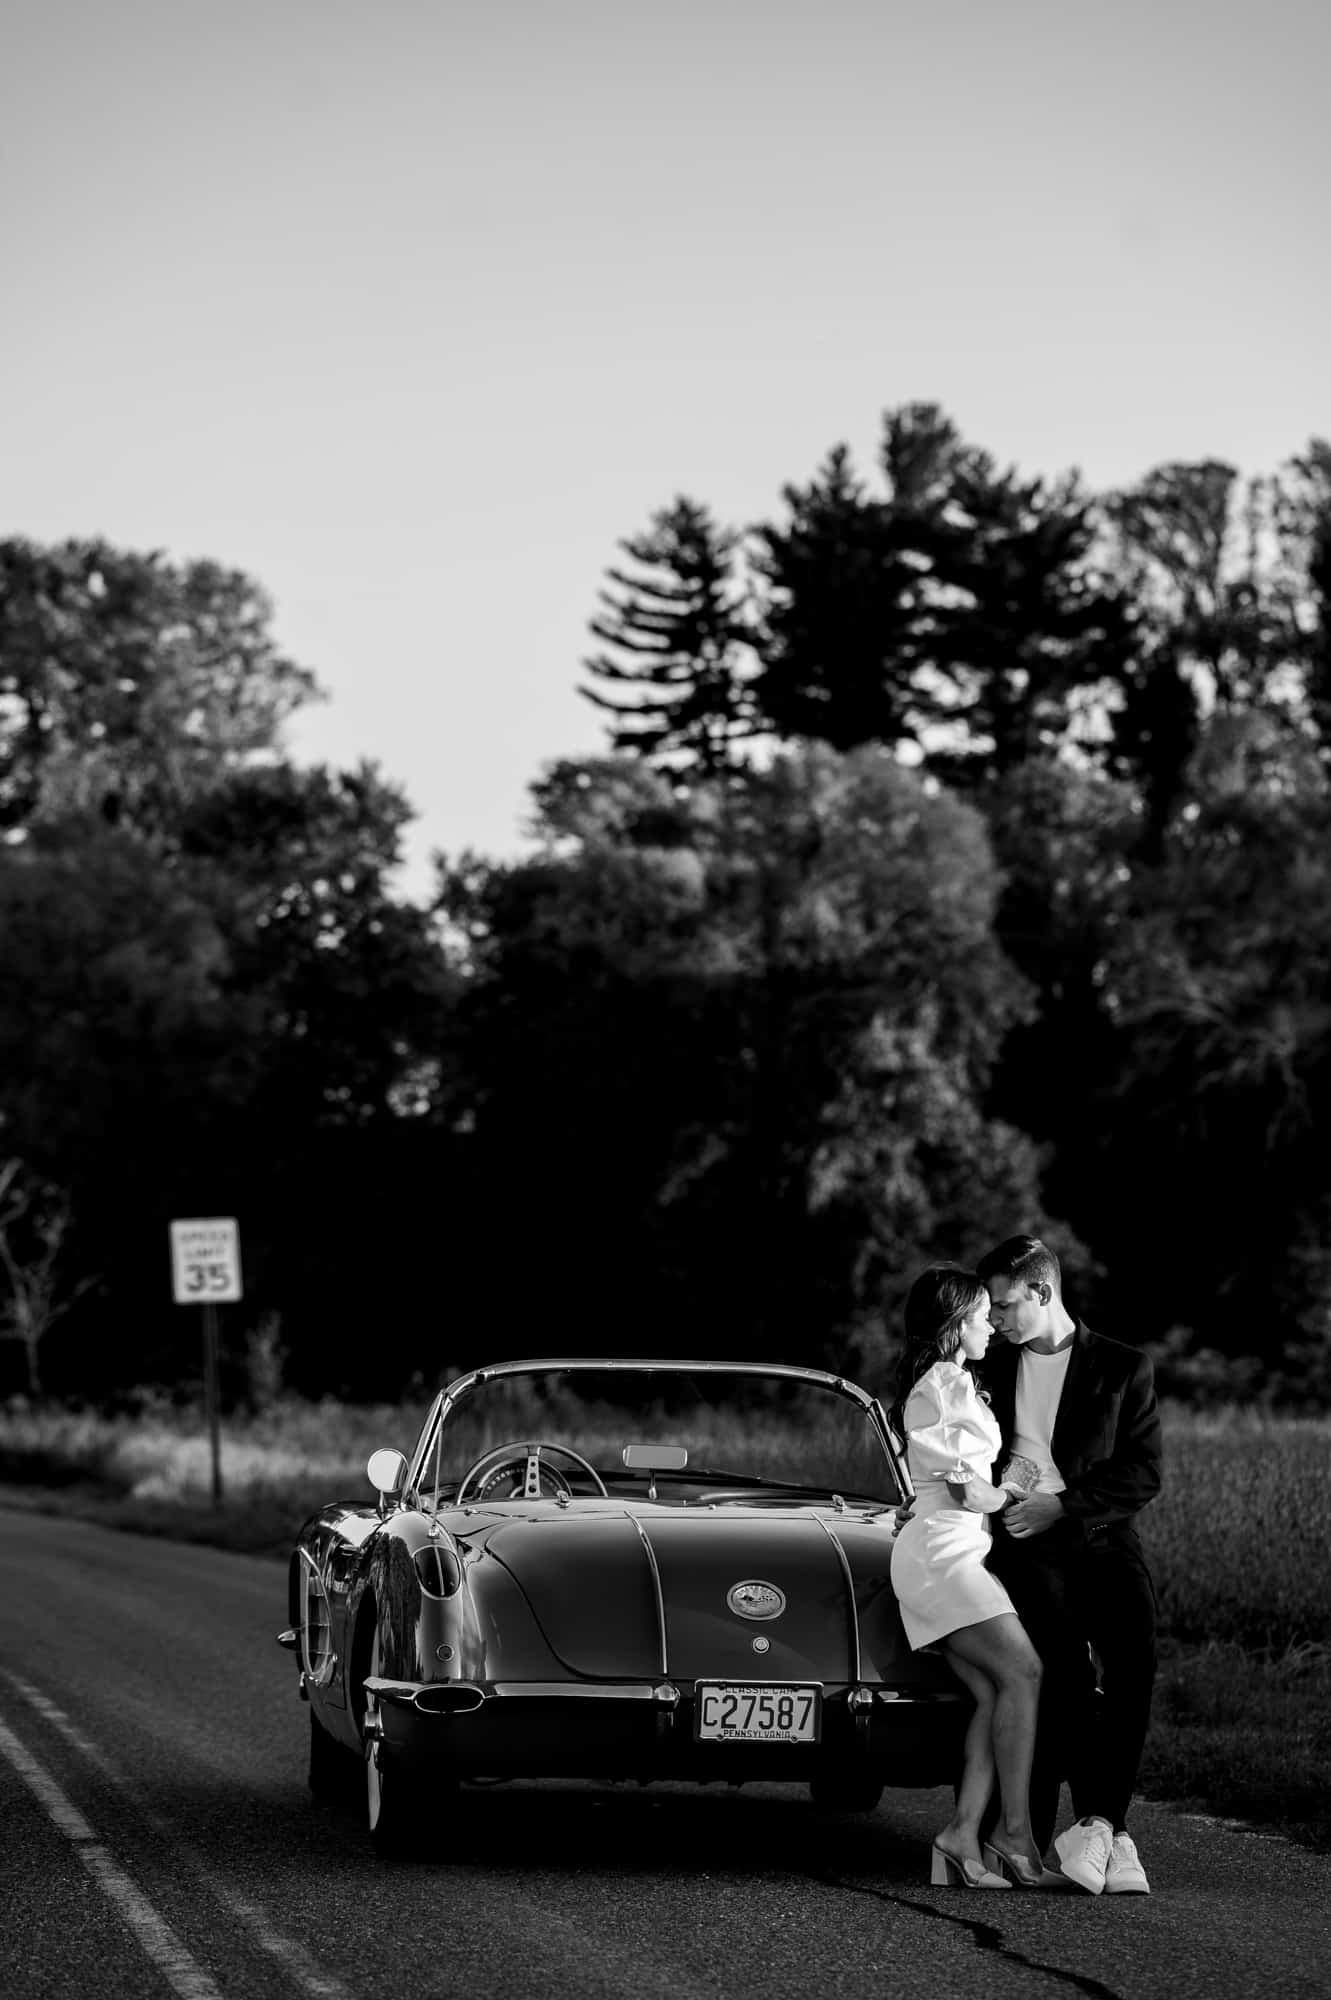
[205, 1271]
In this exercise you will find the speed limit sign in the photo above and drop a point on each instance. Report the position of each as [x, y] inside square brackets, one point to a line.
[205, 1261]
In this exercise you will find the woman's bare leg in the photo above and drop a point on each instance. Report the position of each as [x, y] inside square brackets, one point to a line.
[999, 1650]
[961, 1835]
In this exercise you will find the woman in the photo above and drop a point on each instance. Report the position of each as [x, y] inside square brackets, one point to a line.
[948, 1598]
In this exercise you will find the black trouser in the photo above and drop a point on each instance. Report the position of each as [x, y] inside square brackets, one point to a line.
[1073, 1596]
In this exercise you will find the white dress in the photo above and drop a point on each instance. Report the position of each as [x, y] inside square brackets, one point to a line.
[938, 1570]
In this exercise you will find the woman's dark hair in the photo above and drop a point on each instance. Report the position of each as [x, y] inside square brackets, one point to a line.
[940, 1299]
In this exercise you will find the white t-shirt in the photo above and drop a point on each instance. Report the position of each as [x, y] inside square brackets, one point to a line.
[1040, 1380]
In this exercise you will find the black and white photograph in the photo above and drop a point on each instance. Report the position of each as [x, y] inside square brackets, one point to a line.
[665, 1000]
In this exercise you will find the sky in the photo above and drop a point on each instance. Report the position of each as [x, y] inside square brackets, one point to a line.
[411, 311]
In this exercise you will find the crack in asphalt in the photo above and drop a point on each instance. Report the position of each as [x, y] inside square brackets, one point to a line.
[988, 1937]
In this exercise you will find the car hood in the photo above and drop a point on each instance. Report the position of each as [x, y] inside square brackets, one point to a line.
[628, 1593]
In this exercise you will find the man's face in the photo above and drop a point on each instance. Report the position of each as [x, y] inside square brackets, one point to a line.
[1017, 1311]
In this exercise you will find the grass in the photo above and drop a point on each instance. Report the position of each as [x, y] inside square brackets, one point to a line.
[1240, 1539]
[151, 1471]
[1240, 1542]
[1245, 1736]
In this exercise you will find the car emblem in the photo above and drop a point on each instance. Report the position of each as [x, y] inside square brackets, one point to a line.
[752, 1599]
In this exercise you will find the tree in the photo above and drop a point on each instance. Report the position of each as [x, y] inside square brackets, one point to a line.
[677, 639]
[34, 1221]
[213, 1002]
[245, 1021]
[1218, 1087]
[840, 617]
[344, 982]
[846, 622]
[1215, 623]
[670, 1008]
[1027, 625]
[1066, 837]
[112, 1001]
[883, 1002]
[962, 611]
[912, 1166]
[1301, 517]
[922, 455]
[1176, 531]
[127, 681]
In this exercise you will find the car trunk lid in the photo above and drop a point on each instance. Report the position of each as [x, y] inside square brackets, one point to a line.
[633, 1595]
[753, 1597]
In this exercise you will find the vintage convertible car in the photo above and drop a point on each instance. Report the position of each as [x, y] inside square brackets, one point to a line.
[619, 1570]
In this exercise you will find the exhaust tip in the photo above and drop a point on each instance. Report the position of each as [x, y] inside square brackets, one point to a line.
[448, 1699]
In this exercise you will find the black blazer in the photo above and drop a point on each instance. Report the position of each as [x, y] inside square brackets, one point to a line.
[1106, 1440]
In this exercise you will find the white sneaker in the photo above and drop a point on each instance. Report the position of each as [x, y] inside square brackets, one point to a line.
[1125, 1874]
[1083, 1853]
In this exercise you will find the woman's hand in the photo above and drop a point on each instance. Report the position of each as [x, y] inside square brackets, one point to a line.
[977, 1495]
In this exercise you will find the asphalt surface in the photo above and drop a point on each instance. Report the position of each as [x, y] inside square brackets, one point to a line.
[157, 1839]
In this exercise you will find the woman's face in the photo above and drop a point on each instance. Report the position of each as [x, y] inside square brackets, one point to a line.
[975, 1333]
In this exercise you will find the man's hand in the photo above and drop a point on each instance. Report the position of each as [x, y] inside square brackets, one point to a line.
[902, 1515]
[1033, 1516]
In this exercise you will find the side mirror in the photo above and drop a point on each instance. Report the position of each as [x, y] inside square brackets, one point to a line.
[388, 1475]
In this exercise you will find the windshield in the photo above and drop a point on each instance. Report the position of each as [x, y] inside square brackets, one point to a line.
[670, 1435]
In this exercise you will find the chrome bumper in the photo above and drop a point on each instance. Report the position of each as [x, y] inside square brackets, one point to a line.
[460, 1697]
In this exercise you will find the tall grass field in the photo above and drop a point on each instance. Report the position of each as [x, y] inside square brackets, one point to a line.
[1240, 1543]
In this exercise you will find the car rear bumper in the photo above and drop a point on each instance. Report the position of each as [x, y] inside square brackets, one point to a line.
[909, 1736]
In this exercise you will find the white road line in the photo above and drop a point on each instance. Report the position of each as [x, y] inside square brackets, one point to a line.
[154, 1934]
[294, 1958]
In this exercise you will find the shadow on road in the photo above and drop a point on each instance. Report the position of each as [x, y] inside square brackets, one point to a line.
[576, 1826]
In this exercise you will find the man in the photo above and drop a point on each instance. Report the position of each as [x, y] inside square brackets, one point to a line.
[1082, 1411]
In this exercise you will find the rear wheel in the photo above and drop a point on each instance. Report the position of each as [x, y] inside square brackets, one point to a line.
[332, 1766]
[394, 1804]
[846, 1792]
[394, 1801]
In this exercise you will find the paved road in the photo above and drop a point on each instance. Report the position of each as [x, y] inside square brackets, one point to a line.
[158, 1840]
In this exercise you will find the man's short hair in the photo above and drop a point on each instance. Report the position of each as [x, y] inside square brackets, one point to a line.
[1022, 1260]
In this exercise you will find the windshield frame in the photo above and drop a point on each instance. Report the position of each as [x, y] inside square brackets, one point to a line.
[460, 1390]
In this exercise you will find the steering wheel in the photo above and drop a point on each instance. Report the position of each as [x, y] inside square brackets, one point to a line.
[491, 1466]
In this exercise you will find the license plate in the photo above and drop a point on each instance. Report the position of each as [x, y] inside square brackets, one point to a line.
[735, 1712]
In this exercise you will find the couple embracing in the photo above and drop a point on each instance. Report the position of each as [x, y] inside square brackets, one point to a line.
[1019, 1561]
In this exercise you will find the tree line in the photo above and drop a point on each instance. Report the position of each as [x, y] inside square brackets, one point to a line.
[958, 863]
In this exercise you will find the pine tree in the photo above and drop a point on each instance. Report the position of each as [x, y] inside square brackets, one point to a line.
[1027, 622]
[844, 617]
[856, 596]
[676, 670]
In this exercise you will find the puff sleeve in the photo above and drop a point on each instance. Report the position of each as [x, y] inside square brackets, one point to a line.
[950, 1433]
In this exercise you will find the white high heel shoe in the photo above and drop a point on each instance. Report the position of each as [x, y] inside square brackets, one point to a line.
[952, 1872]
[1017, 1871]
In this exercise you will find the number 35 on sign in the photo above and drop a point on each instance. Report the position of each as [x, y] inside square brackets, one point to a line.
[205, 1261]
